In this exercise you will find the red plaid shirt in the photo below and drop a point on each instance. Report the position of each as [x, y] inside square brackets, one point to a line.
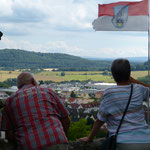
[33, 113]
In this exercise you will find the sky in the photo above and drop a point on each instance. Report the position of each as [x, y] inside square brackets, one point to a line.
[65, 26]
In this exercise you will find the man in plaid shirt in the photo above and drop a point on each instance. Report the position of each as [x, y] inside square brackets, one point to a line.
[35, 117]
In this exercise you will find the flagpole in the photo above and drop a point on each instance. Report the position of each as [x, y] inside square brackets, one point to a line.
[148, 109]
[148, 38]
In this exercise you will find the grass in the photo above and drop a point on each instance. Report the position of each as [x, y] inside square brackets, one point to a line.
[70, 75]
[4, 75]
[82, 75]
[137, 74]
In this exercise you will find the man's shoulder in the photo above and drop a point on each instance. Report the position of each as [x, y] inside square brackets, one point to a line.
[38, 87]
[140, 86]
[111, 88]
[43, 88]
[9, 99]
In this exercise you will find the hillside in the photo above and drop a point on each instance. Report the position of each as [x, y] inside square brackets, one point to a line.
[131, 59]
[20, 59]
[12, 59]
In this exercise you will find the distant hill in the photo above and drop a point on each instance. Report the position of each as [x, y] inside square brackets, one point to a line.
[21, 59]
[12, 59]
[131, 59]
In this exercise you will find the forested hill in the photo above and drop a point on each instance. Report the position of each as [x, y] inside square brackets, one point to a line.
[11, 59]
[21, 59]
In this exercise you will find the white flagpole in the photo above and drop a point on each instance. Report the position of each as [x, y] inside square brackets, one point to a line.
[148, 109]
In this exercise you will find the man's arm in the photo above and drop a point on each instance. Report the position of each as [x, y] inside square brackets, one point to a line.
[65, 123]
[95, 129]
[132, 80]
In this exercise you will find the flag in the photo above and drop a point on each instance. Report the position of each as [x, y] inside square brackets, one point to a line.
[122, 16]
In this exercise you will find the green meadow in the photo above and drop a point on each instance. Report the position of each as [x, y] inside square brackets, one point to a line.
[69, 75]
[82, 75]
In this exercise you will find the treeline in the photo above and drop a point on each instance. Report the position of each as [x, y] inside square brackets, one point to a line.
[12, 59]
[8, 83]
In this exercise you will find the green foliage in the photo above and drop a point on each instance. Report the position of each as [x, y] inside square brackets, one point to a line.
[73, 94]
[101, 133]
[145, 80]
[11, 59]
[105, 73]
[41, 82]
[9, 93]
[48, 82]
[78, 129]
[11, 82]
[8, 83]
[90, 121]
[62, 73]
[4, 85]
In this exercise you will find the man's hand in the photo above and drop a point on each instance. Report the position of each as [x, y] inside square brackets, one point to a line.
[85, 139]
[132, 80]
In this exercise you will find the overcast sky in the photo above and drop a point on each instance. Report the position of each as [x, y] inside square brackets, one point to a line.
[64, 26]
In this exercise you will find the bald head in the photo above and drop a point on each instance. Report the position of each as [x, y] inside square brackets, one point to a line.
[25, 78]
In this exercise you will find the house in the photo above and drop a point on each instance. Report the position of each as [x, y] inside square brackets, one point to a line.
[99, 94]
[72, 100]
[88, 108]
[83, 94]
[66, 93]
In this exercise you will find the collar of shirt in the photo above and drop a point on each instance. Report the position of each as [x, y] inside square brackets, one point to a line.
[27, 86]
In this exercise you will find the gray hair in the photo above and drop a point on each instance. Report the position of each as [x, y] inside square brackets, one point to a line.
[25, 78]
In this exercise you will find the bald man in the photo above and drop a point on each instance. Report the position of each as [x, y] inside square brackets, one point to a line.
[35, 117]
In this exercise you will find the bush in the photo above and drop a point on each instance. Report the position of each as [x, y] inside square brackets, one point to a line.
[78, 129]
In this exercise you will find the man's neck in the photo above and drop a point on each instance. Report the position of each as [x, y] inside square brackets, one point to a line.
[123, 83]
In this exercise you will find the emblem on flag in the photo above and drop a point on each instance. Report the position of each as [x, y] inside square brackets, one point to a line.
[120, 16]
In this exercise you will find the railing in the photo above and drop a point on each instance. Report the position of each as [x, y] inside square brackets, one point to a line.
[75, 145]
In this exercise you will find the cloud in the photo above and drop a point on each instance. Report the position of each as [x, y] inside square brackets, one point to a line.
[22, 11]
[74, 16]
[49, 47]
[63, 26]
[121, 52]
[61, 15]
[63, 47]
[6, 9]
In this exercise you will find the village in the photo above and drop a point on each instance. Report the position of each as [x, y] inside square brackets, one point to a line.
[81, 99]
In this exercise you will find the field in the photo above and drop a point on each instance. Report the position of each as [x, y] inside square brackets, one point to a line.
[56, 76]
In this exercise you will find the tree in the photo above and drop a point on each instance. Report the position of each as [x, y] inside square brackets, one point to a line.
[2, 84]
[63, 74]
[105, 73]
[41, 82]
[11, 82]
[78, 129]
[73, 94]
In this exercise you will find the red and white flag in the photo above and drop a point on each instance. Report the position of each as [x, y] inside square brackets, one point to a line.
[122, 16]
